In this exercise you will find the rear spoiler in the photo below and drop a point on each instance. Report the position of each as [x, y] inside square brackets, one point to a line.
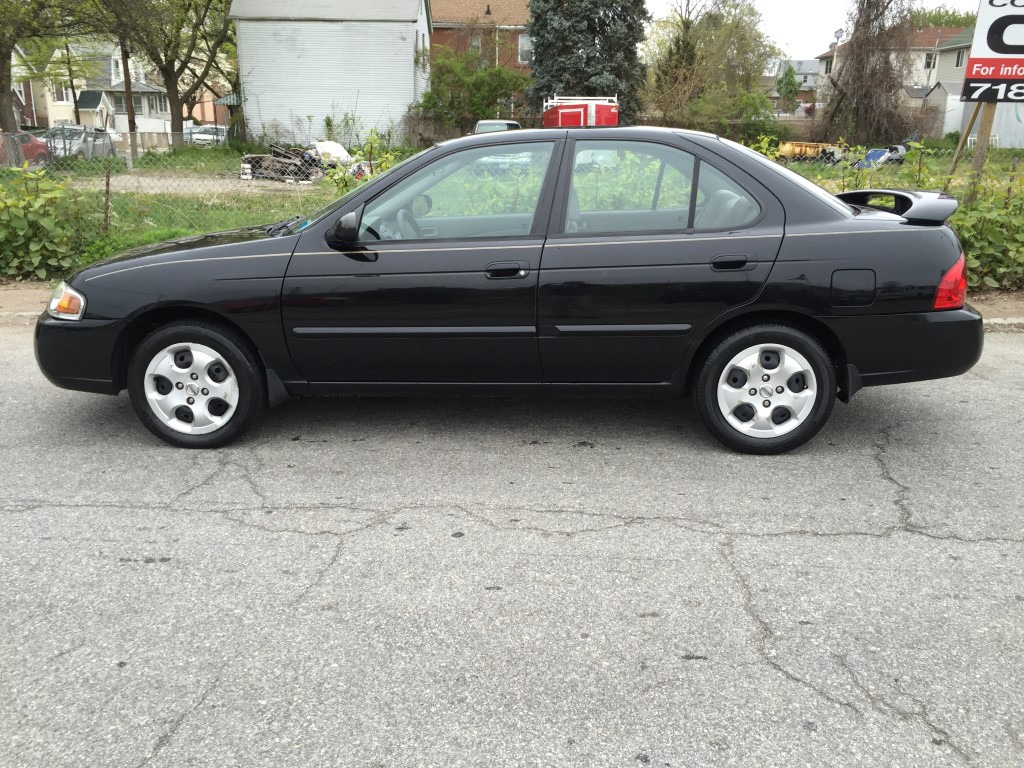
[915, 207]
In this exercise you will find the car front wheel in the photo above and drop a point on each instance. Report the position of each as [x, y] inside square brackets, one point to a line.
[196, 385]
[765, 389]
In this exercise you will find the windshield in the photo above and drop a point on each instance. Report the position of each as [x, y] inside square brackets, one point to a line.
[796, 178]
[326, 211]
[64, 132]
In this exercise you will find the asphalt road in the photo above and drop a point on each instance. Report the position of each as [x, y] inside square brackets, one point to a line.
[513, 583]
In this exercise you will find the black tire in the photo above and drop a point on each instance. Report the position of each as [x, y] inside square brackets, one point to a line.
[810, 398]
[213, 351]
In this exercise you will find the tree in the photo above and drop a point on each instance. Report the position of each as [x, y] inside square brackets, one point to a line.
[709, 73]
[181, 38]
[19, 20]
[943, 16]
[788, 88]
[866, 96]
[464, 90]
[588, 48]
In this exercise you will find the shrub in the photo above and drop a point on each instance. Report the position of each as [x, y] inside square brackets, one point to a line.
[38, 231]
[991, 229]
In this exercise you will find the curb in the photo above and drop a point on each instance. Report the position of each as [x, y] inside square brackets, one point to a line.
[1005, 325]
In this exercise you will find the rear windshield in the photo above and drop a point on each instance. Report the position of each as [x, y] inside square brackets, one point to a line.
[796, 178]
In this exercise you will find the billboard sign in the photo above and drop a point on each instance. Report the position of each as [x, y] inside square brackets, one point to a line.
[995, 69]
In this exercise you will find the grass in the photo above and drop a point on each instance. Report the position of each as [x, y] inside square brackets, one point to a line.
[143, 219]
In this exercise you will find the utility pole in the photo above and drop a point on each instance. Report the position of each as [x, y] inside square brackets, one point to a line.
[129, 103]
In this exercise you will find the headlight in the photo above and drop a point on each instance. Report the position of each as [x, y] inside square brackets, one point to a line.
[66, 303]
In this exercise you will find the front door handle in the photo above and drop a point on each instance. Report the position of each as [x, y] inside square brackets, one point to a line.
[729, 262]
[507, 270]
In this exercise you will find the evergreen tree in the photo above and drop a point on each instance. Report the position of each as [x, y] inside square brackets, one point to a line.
[788, 88]
[588, 48]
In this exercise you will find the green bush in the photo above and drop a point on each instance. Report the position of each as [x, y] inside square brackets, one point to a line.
[38, 231]
[991, 229]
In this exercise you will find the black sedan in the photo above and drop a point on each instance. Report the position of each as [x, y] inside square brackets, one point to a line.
[608, 261]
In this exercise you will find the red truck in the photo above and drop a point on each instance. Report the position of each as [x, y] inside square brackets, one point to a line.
[576, 111]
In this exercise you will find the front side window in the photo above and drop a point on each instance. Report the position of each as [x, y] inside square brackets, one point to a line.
[929, 60]
[961, 58]
[487, 192]
[628, 186]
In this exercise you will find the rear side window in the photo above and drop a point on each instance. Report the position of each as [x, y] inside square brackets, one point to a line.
[721, 202]
[628, 186]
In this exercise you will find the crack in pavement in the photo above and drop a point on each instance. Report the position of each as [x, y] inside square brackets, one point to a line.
[902, 506]
[66, 651]
[165, 738]
[696, 526]
[940, 736]
[321, 574]
[766, 643]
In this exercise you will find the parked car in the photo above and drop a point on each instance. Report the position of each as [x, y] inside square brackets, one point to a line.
[22, 147]
[690, 264]
[208, 135]
[79, 141]
[493, 126]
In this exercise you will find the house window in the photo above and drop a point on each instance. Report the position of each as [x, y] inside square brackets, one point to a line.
[805, 79]
[19, 88]
[525, 49]
[474, 43]
[61, 93]
[930, 59]
[828, 66]
[157, 102]
[120, 104]
[961, 58]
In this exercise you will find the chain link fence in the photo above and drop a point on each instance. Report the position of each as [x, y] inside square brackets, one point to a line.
[148, 186]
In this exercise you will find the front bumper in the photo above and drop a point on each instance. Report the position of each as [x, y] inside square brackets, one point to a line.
[892, 349]
[78, 354]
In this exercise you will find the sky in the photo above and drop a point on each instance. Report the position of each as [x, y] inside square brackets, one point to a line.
[803, 30]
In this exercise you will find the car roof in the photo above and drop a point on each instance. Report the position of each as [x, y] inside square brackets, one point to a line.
[593, 132]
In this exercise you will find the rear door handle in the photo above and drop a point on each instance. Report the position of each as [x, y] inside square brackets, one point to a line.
[729, 262]
[507, 270]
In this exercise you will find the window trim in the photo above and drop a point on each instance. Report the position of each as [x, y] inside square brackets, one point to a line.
[556, 227]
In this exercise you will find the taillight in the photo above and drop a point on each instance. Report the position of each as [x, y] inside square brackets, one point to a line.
[952, 290]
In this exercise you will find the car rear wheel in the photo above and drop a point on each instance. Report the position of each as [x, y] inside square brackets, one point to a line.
[196, 385]
[765, 389]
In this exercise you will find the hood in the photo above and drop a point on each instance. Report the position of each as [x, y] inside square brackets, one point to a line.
[235, 247]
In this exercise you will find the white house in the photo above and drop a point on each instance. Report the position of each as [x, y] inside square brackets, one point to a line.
[101, 92]
[312, 60]
[924, 47]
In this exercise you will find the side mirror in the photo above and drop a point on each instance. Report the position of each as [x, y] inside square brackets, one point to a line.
[346, 229]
